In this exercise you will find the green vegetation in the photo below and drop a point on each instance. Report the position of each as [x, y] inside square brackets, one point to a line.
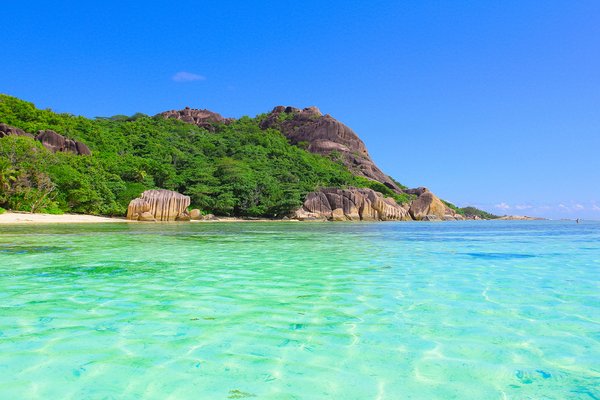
[476, 212]
[458, 210]
[239, 169]
[2, 210]
[285, 116]
[401, 186]
[470, 211]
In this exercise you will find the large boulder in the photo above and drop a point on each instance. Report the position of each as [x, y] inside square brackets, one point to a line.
[323, 134]
[351, 204]
[184, 216]
[56, 142]
[427, 206]
[195, 214]
[7, 130]
[202, 118]
[146, 217]
[163, 205]
[51, 140]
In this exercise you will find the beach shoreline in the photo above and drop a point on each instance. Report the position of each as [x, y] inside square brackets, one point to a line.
[10, 218]
[24, 218]
[14, 218]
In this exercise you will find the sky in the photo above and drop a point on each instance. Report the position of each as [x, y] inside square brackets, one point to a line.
[489, 103]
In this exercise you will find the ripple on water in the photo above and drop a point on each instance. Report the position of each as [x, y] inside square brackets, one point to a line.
[31, 249]
[300, 311]
[499, 256]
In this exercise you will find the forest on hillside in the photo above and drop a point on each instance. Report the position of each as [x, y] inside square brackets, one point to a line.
[234, 169]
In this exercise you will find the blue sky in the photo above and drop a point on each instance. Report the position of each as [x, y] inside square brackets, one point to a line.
[491, 103]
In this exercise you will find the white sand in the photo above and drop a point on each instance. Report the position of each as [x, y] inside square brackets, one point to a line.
[25, 218]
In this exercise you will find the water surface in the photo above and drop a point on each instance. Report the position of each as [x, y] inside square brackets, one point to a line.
[465, 310]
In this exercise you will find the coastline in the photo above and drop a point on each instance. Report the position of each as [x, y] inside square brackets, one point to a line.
[12, 218]
[27, 218]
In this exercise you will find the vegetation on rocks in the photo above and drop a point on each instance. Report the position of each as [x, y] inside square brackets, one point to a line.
[472, 212]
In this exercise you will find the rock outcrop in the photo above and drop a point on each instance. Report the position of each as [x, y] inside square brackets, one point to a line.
[195, 214]
[161, 205]
[7, 130]
[350, 205]
[202, 118]
[323, 134]
[428, 207]
[49, 139]
[56, 142]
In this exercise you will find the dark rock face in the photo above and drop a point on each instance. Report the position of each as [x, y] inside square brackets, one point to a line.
[56, 142]
[324, 134]
[350, 205]
[50, 140]
[202, 118]
[6, 130]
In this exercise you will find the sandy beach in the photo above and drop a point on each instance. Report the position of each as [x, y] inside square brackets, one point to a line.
[26, 218]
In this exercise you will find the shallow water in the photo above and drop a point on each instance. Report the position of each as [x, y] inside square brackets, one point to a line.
[465, 310]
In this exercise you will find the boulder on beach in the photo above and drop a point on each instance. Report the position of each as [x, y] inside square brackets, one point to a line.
[162, 205]
[351, 204]
[429, 207]
[195, 214]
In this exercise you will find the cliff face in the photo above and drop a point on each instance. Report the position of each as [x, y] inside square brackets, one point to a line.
[324, 134]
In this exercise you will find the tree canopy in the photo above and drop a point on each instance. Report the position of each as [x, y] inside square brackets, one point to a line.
[239, 169]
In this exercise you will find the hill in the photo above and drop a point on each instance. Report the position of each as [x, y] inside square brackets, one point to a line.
[247, 167]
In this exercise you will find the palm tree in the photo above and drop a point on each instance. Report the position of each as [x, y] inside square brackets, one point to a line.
[8, 175]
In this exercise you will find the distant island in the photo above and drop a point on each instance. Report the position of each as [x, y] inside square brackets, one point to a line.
[288, 163]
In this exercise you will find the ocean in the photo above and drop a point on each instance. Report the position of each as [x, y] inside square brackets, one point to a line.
[285, 310]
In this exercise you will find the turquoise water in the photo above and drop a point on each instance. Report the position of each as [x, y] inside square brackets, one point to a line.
[465, 310]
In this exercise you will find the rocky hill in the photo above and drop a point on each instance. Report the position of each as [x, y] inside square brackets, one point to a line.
[288, 162]
[323, 134]
[202, 118]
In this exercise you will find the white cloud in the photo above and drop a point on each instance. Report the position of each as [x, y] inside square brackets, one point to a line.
[595, 207]
[578, 207]
[523, 207]
[183, 76]
[502, 206]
